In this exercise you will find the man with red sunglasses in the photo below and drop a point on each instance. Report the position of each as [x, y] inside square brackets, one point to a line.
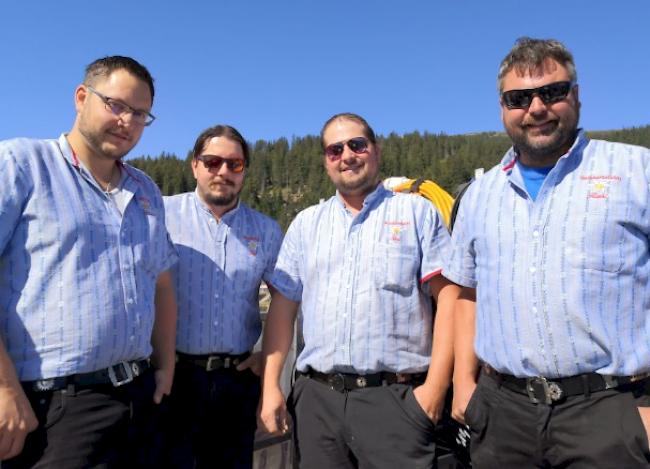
[363, 267]
[551, 248]
[225, 250]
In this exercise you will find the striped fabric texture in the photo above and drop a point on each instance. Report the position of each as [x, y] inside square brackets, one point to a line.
[361, 282]
[562, 282]
[221, 265]
[77, 279]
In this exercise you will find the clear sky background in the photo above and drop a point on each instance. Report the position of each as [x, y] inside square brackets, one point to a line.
[281, 68]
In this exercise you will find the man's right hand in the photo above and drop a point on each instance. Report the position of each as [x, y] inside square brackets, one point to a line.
[273, 416]
[17, 419]
[462, 394]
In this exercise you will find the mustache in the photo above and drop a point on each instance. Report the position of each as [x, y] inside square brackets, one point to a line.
[225, 182]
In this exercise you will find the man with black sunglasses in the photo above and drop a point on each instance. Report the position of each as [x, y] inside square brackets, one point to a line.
[225, 250]
[363, 266]
[551, 248]
[87, 315]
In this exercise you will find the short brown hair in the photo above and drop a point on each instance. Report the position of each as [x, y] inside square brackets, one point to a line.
[530, 54]
[105, 66]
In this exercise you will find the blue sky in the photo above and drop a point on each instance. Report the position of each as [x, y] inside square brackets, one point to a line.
[281, 68]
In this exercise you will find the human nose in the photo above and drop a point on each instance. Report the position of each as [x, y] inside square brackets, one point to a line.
[126, 119]
[348, 153]
[223, 168]
[536, 106]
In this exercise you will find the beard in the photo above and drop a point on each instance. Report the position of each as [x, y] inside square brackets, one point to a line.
[360, 184]
[558, 140]
[221, 200]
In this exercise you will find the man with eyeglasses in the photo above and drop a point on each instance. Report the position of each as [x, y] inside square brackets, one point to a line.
[363, 267]
[551, 247]
[87, 315]
[225, 250]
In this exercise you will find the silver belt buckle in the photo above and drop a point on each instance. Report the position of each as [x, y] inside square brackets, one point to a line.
[127, 371]
[213, 363]
[552, 390]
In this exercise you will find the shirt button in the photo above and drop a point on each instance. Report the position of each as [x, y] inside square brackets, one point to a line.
[132, 337]
[535, 309]
[535, 233]
[130, 301]
[533, 269]
[216, 323]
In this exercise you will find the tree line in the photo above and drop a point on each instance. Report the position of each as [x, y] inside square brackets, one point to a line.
[286, 176]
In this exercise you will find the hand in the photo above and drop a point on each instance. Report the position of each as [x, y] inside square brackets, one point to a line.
[17, 419]
[254, 363]
[462, 394]
[164, 379]
[430, 401]
[272, 413]
[644, 412]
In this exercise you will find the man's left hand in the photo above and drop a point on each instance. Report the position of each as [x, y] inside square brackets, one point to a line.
[430, 401]
[254, 363]
[164, 379]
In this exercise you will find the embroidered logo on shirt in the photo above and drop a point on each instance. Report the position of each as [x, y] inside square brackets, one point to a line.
[145, 204]
[252, 243]
[395, 229]
[599, 185]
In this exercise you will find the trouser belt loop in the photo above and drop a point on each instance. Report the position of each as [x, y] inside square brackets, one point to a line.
[585, 386]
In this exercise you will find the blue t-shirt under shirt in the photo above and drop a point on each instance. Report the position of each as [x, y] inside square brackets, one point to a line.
[533, 178]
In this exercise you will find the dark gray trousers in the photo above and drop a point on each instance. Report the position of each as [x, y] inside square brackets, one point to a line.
[376, 427]
[602, 430]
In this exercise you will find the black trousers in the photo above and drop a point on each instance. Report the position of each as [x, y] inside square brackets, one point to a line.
[376, 427]
[95, 427]
[213, 418]
[603, 430]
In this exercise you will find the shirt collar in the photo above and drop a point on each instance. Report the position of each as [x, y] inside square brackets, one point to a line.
[371, 199]
[128, 178]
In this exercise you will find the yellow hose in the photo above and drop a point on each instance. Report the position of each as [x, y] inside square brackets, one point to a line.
[433, 193]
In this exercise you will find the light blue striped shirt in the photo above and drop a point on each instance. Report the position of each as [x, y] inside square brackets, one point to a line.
[563, 282]
[77, 279]
[365, 306]
[217, 278]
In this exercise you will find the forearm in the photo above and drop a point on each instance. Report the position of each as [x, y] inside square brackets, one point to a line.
[8, 376]
[466, 363]
[442, 351]
[163, 338]
[278, 334]
[16, 415]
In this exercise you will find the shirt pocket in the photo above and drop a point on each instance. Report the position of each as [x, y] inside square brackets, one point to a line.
[594, 243]
[396, 268]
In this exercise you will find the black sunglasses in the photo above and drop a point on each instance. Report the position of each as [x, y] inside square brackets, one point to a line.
[236, 165]
[357, 144]
[551, 93]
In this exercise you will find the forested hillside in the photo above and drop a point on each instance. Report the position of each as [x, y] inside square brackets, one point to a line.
[287, 176]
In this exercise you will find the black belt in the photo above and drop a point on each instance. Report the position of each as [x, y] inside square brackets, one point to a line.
[347, 382]
[552, 390]
[216, 361]
[117, 375]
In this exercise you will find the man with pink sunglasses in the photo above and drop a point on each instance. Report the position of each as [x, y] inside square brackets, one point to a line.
[363, 267]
